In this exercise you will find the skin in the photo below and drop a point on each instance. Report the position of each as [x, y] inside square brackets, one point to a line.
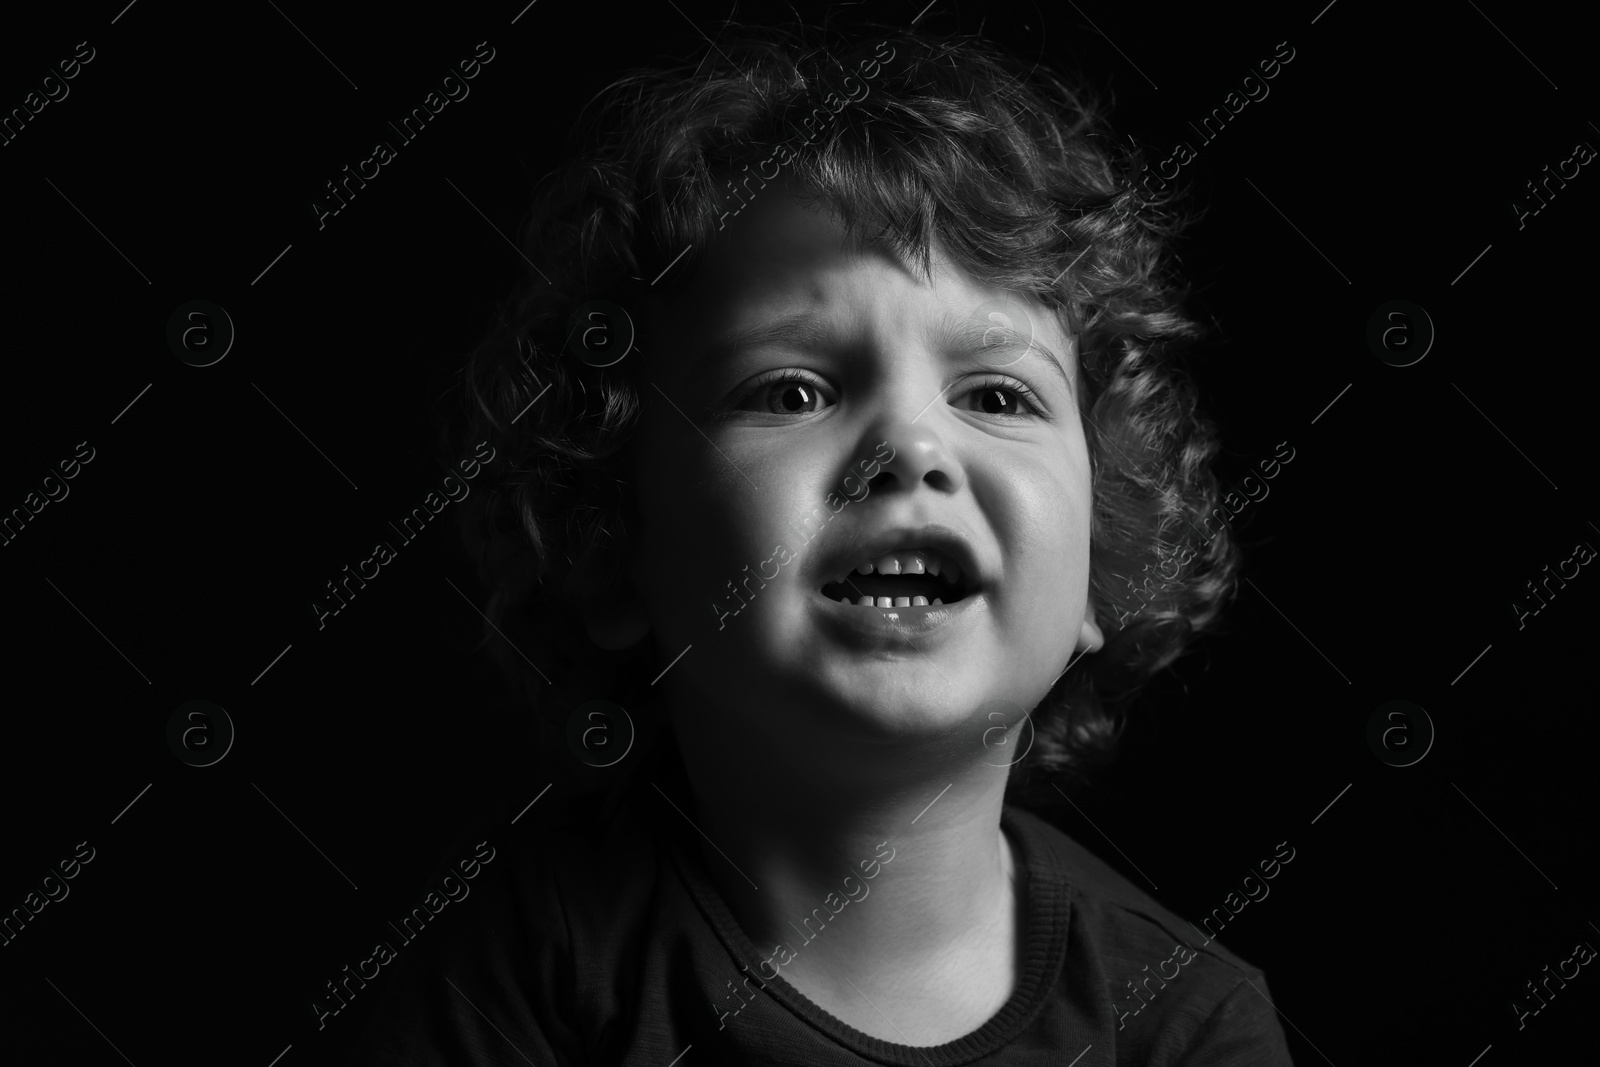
[808, 749]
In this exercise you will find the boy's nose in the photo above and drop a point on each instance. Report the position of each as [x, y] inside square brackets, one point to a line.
[920, 455]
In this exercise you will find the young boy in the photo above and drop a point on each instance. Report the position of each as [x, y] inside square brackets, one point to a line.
[848, 530]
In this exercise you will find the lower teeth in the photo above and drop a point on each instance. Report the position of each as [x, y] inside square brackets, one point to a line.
[894, 602]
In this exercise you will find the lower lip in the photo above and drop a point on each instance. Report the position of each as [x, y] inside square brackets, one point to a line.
[891, 626]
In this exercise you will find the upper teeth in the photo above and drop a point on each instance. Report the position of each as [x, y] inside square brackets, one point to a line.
[910, 561]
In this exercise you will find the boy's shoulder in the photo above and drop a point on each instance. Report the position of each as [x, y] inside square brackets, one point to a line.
[1124, 920]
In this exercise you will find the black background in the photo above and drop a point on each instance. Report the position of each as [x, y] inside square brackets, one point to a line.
[1381, 566]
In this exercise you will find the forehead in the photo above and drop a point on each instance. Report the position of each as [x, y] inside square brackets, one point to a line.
[785, 266]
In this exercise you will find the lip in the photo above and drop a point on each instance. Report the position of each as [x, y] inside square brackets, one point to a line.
[891, 627]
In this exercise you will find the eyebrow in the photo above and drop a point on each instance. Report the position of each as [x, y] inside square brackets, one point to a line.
[968, 334]
[806, 330]
[800, 330]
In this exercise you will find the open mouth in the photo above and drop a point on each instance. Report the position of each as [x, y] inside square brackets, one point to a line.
[898, 590]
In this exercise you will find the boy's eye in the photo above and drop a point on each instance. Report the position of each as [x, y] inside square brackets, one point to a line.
[999, 396]
[784, 393]
[793, 393]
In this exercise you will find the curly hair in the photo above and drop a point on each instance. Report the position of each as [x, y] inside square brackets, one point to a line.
[1010, 172]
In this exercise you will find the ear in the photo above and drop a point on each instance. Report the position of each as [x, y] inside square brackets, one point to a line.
[1090, 639]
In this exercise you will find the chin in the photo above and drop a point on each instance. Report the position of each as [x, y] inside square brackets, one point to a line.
[892, 710]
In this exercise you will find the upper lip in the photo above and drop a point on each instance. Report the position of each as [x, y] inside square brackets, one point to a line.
[941, 539]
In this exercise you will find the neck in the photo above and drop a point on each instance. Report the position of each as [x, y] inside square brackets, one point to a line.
[860, 857]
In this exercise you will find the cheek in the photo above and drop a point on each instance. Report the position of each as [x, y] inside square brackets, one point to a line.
[708, 514]
[683, 530]
[1042, 517]
[1076, 513]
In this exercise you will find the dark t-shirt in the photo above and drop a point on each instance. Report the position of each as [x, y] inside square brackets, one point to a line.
[596, 937]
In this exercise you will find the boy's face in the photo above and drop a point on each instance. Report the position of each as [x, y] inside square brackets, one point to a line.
[880, 365]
